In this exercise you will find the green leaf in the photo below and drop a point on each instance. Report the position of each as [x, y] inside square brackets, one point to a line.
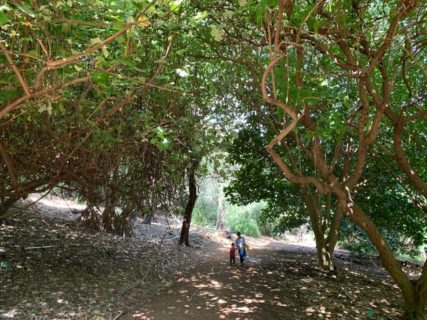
[160, 132]
[100, 61]
[7, 95]
[101, 78]
[5, 7]
[95, 41]
[129, 62]
[4, 18]
[217, 33]
[313, 24]
[105, 51]
[26, 10]
[174, 5]
[316, 26]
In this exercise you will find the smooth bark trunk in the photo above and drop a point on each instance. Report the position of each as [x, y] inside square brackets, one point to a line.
[414, 292]
[325, 231]
[221, 212]
[185, 230]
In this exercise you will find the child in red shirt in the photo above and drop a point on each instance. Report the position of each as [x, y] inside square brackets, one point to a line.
[232, 255]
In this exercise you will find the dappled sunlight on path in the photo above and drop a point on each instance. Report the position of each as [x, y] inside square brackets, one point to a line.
[61, 270]
[275, 284]
[221, 292]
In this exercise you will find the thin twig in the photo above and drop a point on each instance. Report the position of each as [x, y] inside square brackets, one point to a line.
[43, 48]
[15, 69]
[119, 316]
[18, 102]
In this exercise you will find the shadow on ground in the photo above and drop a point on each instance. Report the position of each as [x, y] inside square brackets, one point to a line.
[273, 285]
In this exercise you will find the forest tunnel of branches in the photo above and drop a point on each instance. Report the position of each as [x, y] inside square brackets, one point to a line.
[317, 108]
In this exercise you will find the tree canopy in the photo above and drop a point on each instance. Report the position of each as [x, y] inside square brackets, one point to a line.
[117, 102]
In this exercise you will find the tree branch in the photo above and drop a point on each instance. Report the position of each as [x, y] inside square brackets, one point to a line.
[15, 69]
[18, 102]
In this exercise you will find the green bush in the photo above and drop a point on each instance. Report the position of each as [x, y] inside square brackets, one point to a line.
[354, 239]
[237, 218]
[244, 219]
[248, 227]
[204, 213]
[206, 207]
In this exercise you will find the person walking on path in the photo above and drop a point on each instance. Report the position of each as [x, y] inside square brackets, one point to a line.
[232, 255]
[241, 246]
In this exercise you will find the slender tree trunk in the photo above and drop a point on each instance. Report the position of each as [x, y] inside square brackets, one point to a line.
[9, 165]
[185, 230]
[325, 232]
[89, 217]
[221, 212]
[332, 238]
[4, 207]
[109, 213]
[147, 218]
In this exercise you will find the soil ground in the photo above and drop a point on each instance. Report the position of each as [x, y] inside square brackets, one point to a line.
[59, 269]
[276, 283]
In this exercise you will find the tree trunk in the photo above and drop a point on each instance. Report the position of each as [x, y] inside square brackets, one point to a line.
[185, 230]
[221, 212]
[422, 291]
[90, 217]
[325, 231]
[109, 213]
[147, 218]
[4, 207]
[414, 293]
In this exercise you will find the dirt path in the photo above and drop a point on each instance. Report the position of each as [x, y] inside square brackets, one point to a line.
[215, 291]
[275, 284]
[87, 275]
[218, 291]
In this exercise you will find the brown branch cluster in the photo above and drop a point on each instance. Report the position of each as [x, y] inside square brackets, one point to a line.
[367, 126]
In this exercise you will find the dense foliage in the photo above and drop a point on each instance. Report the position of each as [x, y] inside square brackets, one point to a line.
[102, 102]
[118, 102]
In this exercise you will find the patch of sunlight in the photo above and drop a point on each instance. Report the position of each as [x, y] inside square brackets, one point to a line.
[238, 309]
[62, 301]
[206, 293]
[139, 315]
[216, 284]
[310, 310]
[11, 314]
[319, 310]
[247, 300]
[213, 285]
[281, 304]
[56, 202]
